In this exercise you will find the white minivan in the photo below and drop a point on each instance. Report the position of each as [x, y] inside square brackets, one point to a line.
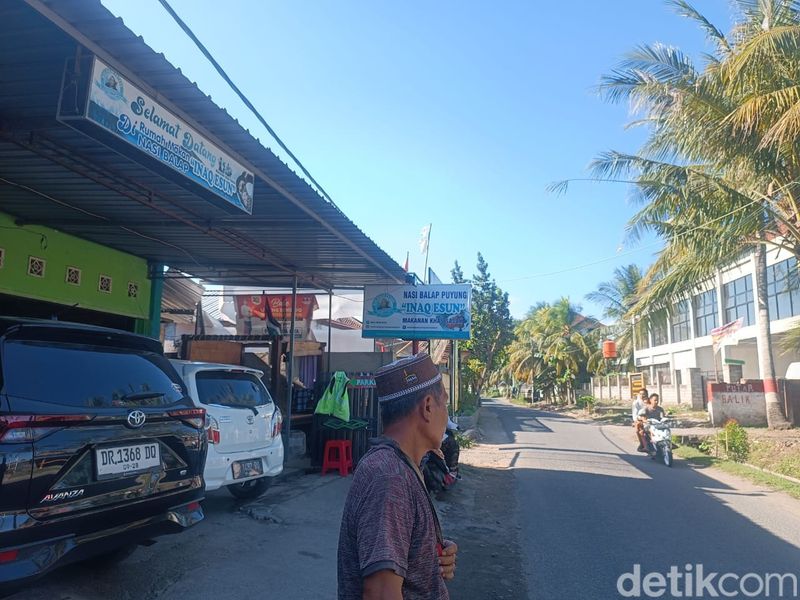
[245, 448]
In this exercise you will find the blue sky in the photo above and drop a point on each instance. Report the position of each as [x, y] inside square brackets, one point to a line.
[453, 113]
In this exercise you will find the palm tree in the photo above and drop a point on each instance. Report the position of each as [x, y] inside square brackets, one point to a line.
[719, 172]
[618, 297]
[558, 347]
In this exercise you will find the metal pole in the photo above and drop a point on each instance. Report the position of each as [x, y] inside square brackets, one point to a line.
[330, 320]
[290, 364]
[427, 252]
[156, 294]
[452, 389]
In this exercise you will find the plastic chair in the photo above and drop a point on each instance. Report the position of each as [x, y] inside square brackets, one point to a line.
[338, 454]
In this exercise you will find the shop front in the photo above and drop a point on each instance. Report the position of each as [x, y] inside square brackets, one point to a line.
[48, 274]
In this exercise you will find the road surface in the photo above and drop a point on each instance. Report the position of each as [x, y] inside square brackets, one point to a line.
[590, 508]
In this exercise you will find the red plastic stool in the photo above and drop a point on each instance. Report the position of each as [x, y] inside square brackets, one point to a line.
[338, 454]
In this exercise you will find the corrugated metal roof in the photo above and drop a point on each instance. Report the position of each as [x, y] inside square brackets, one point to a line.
[59, 177]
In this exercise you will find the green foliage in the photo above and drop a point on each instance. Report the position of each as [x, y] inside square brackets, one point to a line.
[551, 348]
[492, 328]
[587, 402]
[464, 441]
[617, 297]
[733, 442]
[707, 446]
[468, 403]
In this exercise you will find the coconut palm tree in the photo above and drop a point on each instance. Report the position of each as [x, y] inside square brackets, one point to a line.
[557, 343]
[617, 297]
[719, 172]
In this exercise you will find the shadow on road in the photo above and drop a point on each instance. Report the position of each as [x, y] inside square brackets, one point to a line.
[582, 530]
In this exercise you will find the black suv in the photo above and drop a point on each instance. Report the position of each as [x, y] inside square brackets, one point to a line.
[101, 448]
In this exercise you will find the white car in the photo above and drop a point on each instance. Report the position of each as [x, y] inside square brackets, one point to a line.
[245, 448]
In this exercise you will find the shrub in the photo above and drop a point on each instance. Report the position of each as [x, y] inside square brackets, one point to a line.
[586, 402]
[733, 441]
[468, 404]
[464, 441]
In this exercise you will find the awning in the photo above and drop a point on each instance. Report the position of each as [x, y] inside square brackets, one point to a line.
[52, 175]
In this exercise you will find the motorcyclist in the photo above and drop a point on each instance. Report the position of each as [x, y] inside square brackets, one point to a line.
[651, 411]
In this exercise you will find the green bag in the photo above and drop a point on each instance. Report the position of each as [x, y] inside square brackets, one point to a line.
[335, 400]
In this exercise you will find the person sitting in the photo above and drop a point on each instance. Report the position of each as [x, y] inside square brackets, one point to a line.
[639, 403]
[652, 411]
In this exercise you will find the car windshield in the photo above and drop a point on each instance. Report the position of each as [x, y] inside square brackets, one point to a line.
[89, 376]
[232, 389]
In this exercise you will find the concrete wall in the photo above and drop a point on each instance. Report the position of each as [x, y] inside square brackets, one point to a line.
[745, 403]
[689, 391]
[357, 362]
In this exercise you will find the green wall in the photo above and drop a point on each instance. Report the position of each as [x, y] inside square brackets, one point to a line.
[60, 251]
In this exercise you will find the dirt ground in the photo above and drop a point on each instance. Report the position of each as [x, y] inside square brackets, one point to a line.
[480, 515]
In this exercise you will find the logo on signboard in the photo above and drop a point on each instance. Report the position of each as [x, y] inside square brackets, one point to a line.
[244, 189]
[384, 305]
[112, 85]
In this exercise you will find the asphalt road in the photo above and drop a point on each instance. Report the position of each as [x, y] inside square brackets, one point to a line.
[590, 508]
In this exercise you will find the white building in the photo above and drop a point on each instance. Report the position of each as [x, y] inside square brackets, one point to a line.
[677, 348]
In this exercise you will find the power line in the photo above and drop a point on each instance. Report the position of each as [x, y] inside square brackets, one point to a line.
[242, 97]
[610, 258]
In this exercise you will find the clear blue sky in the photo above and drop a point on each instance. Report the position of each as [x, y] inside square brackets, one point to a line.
[452, 113]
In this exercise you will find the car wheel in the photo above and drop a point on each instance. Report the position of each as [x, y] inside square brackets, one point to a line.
[249, 489]
[111, 558]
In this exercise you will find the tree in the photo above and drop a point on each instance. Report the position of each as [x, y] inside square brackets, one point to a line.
[618, 297]
[457, 274]
[550, 348]
[719, 172]
[492, 327]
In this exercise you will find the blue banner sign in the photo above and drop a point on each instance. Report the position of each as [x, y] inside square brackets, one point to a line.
[120, 107]
[416, 312]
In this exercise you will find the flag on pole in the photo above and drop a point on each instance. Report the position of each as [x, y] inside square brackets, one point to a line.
[424, 239]
[405, 266]
[720, 333]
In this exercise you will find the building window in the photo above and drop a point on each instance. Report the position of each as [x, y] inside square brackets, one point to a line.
[659, 328]
[133, 289]
[662, 374]
[738, 296]
[36, 266]
[681, 322]
[783, 291]
[705, 310]
[641, 336]
[2, 257]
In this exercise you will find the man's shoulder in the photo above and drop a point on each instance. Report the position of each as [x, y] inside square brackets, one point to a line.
[381, 460]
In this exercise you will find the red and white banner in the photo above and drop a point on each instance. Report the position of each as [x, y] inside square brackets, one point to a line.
[720, 333]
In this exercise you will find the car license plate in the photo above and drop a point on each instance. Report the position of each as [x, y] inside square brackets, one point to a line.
[122, 460]
[247, 468]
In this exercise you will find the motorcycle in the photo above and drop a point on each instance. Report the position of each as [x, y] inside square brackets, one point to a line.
[440, 469]
[659, 440]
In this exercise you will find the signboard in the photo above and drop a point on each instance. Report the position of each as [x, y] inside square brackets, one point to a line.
[417, 312]
[118, 106]
[637, 384]
[254, 312]
[744, 402]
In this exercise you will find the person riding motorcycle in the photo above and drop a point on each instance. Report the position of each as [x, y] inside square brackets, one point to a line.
[639, 403]
[652, 411]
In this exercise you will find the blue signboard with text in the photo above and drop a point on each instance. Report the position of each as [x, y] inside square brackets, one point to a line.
[417, 312]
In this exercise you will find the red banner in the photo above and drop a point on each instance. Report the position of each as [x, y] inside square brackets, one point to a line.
[278, 305]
